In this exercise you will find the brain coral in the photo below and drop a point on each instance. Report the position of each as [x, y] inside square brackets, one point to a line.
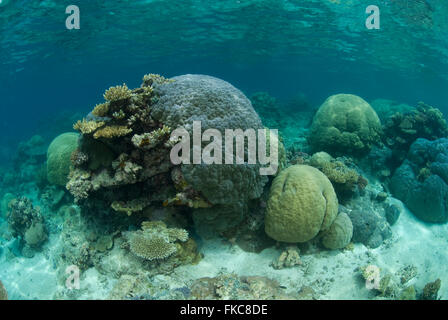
[301, 203]
[58, 157]
[345, 124]
[339, 234]
[218, 105]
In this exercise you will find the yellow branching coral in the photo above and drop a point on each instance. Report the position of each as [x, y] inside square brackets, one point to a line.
[101, 110]
[87, 127]
[117, 93]
[150, 140]
[130, 207]
[150, 79]
[182, 199]
[110, 132]
[151, 248]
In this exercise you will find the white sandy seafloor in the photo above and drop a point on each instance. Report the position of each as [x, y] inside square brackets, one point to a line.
[332, 274]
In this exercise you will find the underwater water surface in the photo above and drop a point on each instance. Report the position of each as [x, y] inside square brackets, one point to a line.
[89, 195]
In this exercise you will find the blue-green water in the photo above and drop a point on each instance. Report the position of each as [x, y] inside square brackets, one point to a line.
[299, 51]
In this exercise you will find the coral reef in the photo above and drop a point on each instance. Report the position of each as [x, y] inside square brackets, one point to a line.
[3, 293]
[27, 222]
[59, 157]
[345, 124]
[302, 202]
[126, 148]
[421, 182]
[345, 180]
[340, 233]
[402, 129]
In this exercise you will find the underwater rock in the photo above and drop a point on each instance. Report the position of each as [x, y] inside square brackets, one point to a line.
[340, 233]
[421, 182]
[431, 290]
[59, 157]
[392, 213]
[345, 124]
[369, 228]
[3, 293]
[302, 202]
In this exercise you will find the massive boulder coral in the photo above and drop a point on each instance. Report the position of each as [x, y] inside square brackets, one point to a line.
[345, 124]
[340, 233]
[58, 157]
[218, 105]
[302, 203]
[421, 182]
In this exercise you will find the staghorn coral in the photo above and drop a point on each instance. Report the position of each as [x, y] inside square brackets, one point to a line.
[110, 132]
[117, 93]
[88, 126]
[302, 202]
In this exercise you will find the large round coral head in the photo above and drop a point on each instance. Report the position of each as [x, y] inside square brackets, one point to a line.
[302, 202]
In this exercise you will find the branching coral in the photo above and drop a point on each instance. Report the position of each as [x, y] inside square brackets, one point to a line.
[150, 79]
[110, 132]
[152, 139]
[117, 93]
[135, 205]
[101, 110]
[87, 127]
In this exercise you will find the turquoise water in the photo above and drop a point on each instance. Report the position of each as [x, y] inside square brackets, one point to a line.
[297, 54]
